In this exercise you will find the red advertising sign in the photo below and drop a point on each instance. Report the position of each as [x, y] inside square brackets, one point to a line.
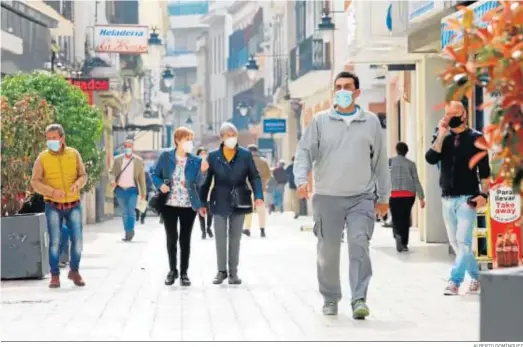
[88, 85]
[505, 233]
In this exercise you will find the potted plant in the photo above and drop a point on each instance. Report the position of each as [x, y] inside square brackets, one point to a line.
[68, 106]
[24, 245]
[491, 57]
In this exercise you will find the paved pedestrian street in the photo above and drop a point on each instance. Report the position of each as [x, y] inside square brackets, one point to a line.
[125, 298]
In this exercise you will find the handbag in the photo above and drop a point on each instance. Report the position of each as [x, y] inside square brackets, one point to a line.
[158, 199]
[241, 197]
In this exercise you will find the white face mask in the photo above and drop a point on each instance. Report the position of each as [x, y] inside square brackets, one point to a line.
[187, 146]
[231, 142]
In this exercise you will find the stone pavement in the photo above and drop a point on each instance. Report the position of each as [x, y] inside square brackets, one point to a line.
[125, 298]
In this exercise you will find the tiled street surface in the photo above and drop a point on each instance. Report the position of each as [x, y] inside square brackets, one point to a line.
[125, 298]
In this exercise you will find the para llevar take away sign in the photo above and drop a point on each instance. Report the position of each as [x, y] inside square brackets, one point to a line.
[130, 39]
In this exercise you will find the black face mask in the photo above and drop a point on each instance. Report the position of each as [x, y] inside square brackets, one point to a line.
[455, 122]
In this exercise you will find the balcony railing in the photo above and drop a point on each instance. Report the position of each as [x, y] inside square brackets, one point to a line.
[310, 55]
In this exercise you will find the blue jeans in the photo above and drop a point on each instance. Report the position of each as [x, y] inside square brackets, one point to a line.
[64, 244]
[127, 200]
[459, 220]
[55, 220]
[278, 197]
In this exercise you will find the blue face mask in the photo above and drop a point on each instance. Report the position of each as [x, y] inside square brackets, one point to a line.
[128, 150]
[343, 98]
[53, 145]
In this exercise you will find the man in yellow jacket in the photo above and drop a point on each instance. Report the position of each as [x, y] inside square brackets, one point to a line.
[59, 175]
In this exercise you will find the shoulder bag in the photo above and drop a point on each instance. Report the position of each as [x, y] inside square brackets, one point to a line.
[121, 172]
[158, 199]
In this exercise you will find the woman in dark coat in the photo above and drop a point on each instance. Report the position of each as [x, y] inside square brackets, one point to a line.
[230, 166]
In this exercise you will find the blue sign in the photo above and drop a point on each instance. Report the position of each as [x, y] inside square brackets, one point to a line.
[275, 126]
[187, 8]
[449, 37]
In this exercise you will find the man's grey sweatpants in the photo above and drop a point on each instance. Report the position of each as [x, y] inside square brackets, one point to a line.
[230, 226]
[331, 215]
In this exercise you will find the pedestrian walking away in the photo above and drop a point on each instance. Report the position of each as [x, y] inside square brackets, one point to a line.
[295, 199]
[128, 174]
[405, 187]
[230, 166]
[337, 141]
[264, 169]
[464, 189]
[179, 173]
[281, 178]
[59, 175]
[205, 221]
[140, 216]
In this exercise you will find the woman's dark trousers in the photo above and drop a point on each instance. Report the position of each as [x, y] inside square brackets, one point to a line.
[400, 209]
[171, 216]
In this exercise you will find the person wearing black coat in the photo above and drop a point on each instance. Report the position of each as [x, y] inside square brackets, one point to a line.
[230, 167]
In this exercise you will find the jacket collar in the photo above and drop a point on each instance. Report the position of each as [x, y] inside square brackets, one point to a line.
[172, 156]
[360, 115]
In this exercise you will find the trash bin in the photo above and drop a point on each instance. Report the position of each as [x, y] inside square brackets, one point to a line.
[501, 306]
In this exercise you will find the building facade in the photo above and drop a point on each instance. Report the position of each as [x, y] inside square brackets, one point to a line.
[26, 37]
[185, 27]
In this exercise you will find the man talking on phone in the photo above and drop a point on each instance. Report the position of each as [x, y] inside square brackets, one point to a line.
[464, 189]
[346, 147]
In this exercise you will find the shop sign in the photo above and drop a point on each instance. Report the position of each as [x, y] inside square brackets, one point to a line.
[505, 233]
[421, 10]
[90, 85]
[130, 39]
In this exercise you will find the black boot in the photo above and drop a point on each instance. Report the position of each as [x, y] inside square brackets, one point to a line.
[246, 232]
[209, 232]
[220, 277]
[204, 235]
[263, 232]
[184, 280]
[171, 277]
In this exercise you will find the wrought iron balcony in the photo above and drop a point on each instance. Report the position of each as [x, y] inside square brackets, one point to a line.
[310, 55]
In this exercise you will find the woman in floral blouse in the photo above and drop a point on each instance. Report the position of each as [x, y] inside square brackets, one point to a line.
[178, 173]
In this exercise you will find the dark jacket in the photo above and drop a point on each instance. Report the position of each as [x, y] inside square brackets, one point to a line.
[280, 175]
[290, 176]
[228, 175]
[456, 177]
[193, 177]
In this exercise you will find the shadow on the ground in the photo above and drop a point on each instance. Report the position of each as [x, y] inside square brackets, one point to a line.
[419, 254]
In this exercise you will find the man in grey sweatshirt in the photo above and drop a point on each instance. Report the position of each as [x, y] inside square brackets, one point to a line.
[346, 148]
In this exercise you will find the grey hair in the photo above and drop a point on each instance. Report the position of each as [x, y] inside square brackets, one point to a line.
[226, 127]
[55, 127]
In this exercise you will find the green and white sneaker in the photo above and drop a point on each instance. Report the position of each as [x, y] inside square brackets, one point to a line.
[360, 310]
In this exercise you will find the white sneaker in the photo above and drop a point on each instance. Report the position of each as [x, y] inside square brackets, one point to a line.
[451, 289]
[474, 287]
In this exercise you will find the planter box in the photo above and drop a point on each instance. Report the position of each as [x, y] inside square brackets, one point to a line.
[24, 246]
[501, 305]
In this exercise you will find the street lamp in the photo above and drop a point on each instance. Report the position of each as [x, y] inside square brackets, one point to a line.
[326, 26]
[243, 108]
[252, 68]
[154, 38]
[168, 78]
